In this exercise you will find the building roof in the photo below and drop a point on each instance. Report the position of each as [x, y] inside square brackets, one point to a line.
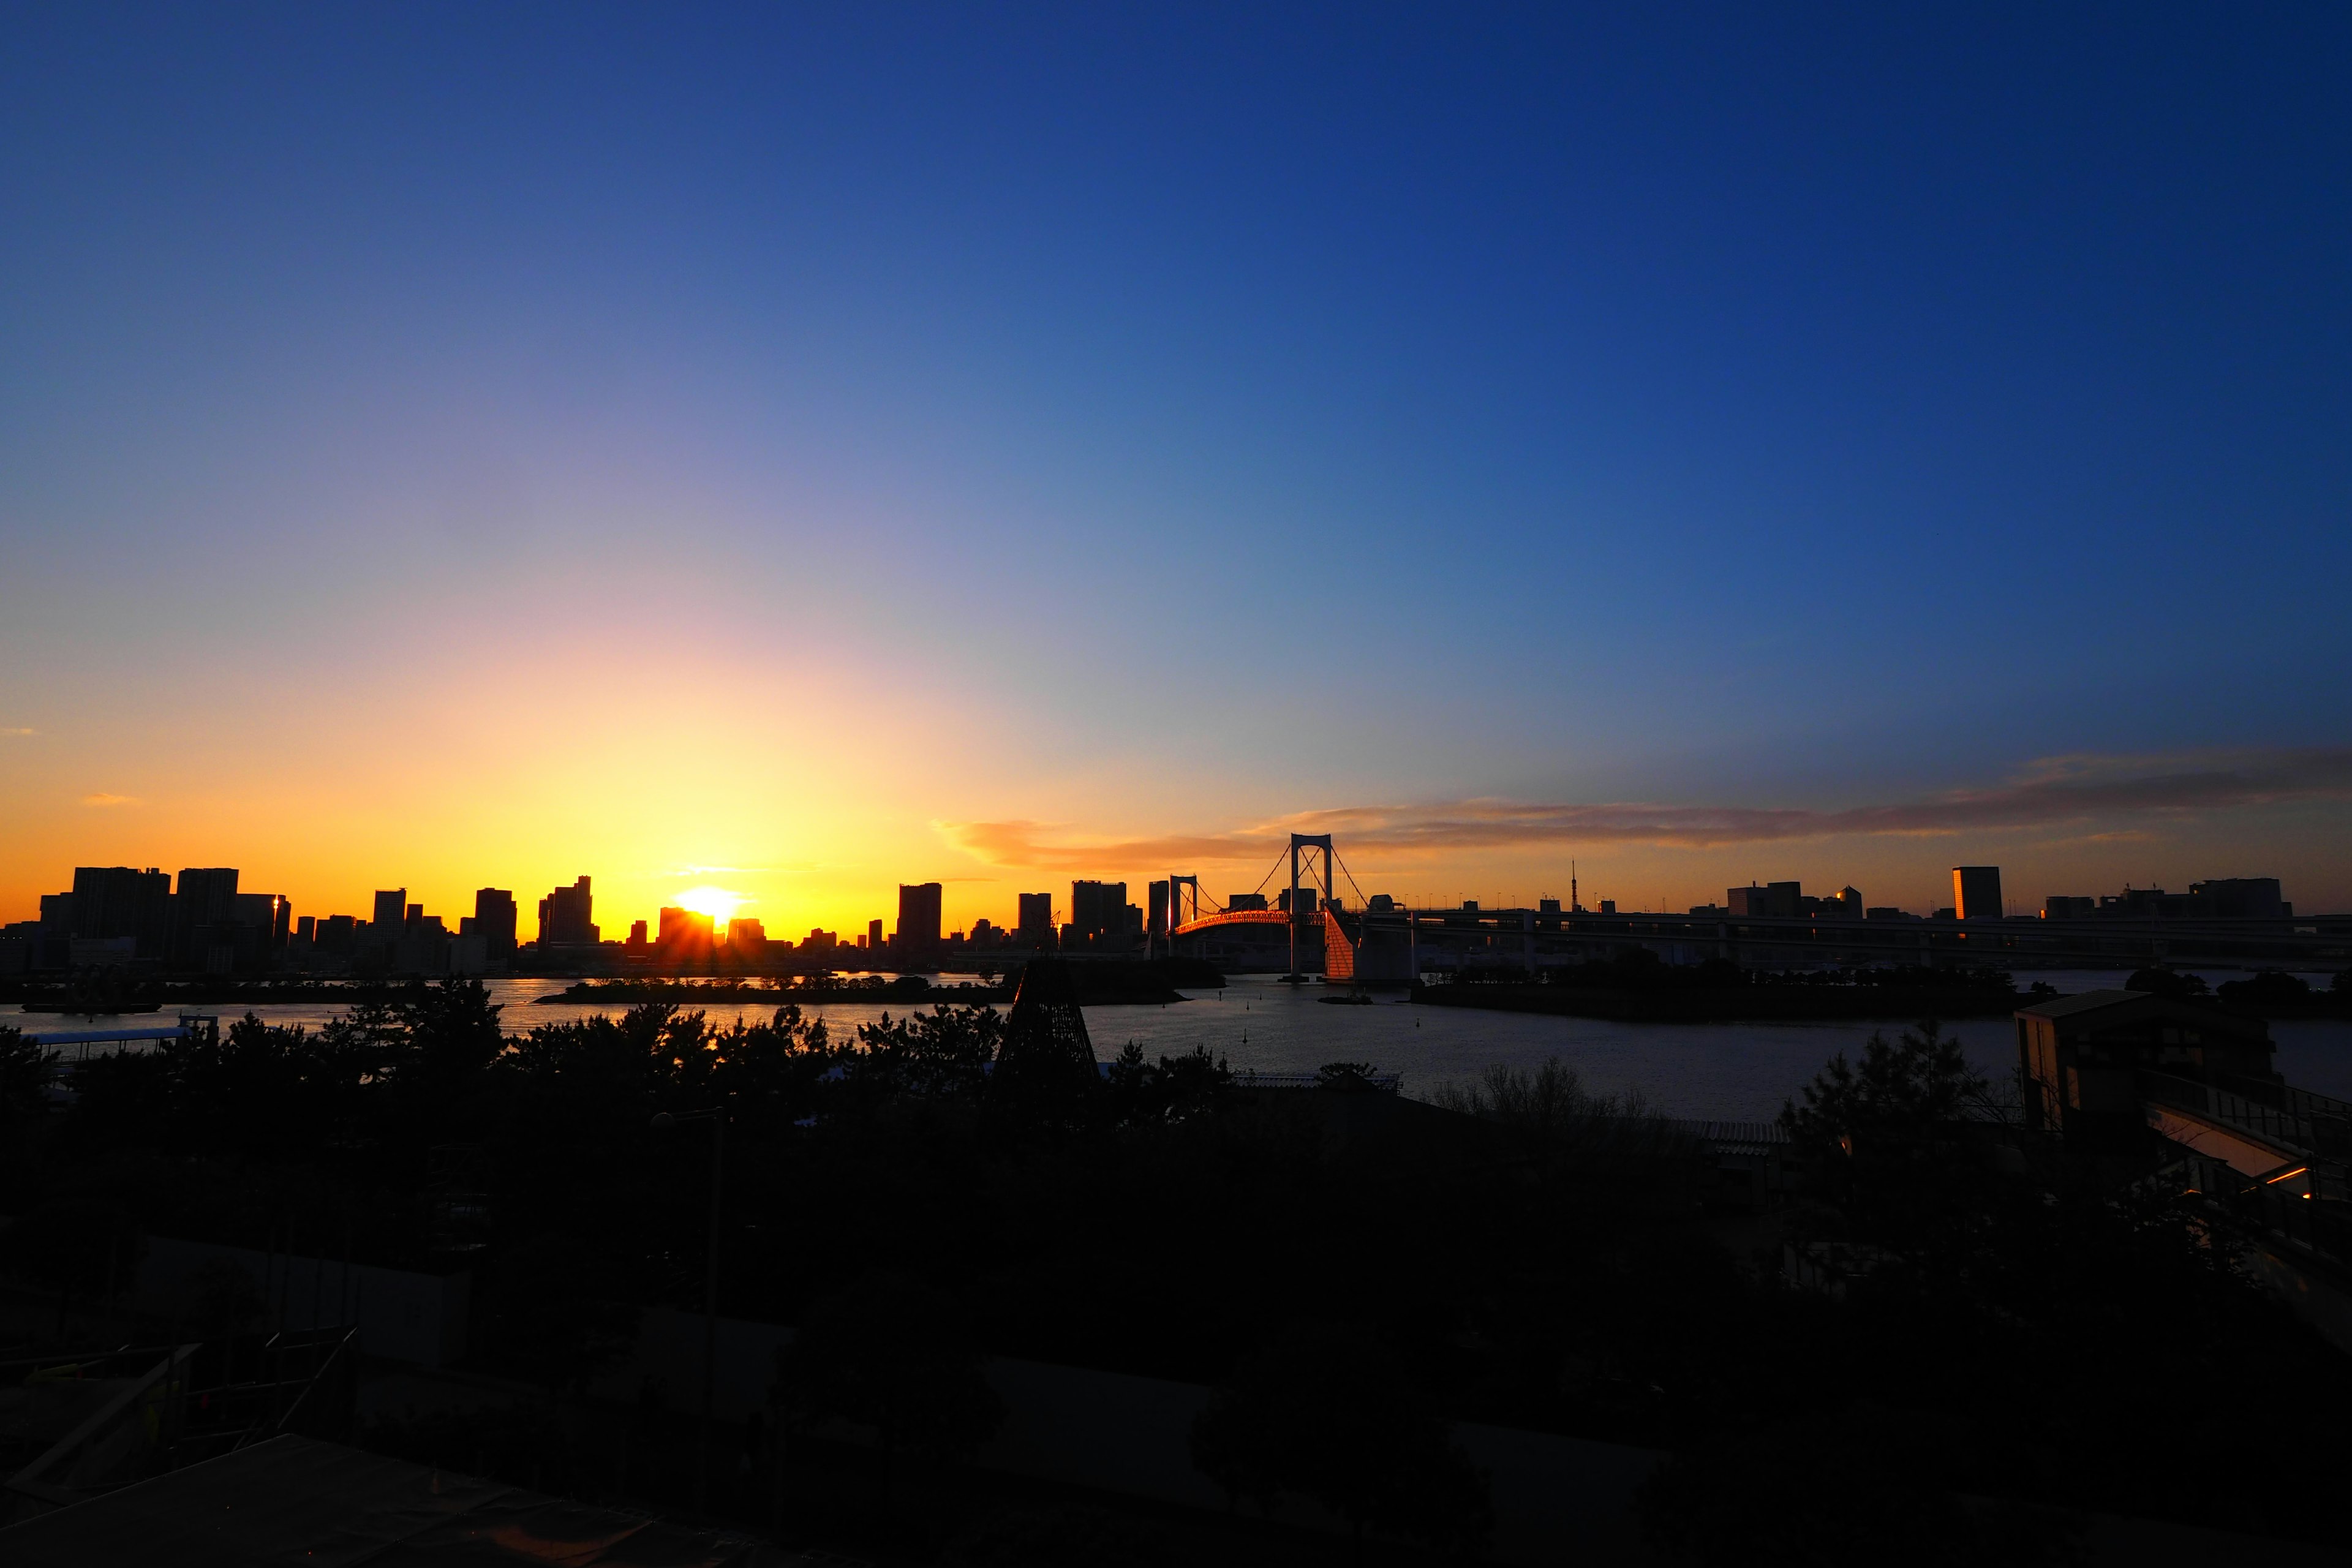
[292, 1499]
[2089, 1001]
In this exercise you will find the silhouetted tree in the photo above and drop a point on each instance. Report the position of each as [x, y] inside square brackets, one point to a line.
[2160, 982]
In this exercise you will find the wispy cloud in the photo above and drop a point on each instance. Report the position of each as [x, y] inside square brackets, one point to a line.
[2050, 790]
[17, 731]
[103, 799]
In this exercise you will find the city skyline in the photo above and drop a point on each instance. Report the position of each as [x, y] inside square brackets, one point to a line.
[788, 454]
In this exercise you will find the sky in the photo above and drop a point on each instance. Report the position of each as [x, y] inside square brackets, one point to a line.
[800, 450]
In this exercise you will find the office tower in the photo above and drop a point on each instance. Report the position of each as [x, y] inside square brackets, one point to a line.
[494, 922]
[919, 918]
[202, 899]
[118, 902]
[873, 942]
[1155, 905]
[1976, 892]
[684, 936]
[1774, 900]
[1036, 923]
[2217, 897]
[415, 914]
[1098, 908]
[748, 939]
[636, 943]
[567, 917]
[391, 912]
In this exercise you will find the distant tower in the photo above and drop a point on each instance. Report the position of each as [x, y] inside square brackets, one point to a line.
[1046, 1052]
[1976, 892]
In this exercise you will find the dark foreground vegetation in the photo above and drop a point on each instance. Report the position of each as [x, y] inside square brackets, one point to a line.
[2011, 1334]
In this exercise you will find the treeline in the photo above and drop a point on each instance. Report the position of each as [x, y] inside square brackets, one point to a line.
[2007, 1325]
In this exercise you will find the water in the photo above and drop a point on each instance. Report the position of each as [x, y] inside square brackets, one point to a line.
[1725, 1071]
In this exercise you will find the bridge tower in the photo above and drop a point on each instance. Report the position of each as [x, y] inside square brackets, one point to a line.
[1310, 842]
[1182, 909]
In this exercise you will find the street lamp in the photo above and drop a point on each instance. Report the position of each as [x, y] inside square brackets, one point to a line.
[717, 1116]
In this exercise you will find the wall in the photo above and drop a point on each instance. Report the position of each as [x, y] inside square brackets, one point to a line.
[402, 1314]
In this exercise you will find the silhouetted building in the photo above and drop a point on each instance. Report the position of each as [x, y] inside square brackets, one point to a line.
[2058, 907]
[1774, 900]
[335, 934]
[872, 940]
[1845, 904]
[636, 946]
[2231, 898]
[119, 902]
[567, 917]
[1036, 926]
[1976, 892]
[685, 936]
[202, 899]
[1098, 908]
[1155, 912]
[390, 912]
[1236, 903]
[1888, 912]
[918, 920]
[494, 922]
[748, 939]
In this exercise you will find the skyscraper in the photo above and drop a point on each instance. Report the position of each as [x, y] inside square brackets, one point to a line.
[566, 917]
[918, 920]
[1976, 892]
[1098, 908]
[1036, 923]
[204, 897]
[113, 902]
[391, 912]
[494, 922]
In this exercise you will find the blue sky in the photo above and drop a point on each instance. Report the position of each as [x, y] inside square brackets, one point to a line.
[1154, 423]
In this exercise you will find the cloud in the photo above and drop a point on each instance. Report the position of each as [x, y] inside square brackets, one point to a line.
[12, 731]
[1020, 842]
[2048, 792]
[103, 799]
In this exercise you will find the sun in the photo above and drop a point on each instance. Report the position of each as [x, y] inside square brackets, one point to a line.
[719, 903]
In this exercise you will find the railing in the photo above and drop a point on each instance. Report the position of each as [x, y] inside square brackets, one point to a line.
[2313, 1124]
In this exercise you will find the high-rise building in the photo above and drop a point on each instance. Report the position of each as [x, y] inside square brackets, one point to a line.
[1155, 907]
[567, 917]
[748, 938]
[685, 936]
[1774, 900]
[1098, 908]
[204, 897]
[1976, 892]
[919, 918]
[1036, 924]
[119, 902]
[494, 922]
[2217, 897]
[391, 912]
[873, 939]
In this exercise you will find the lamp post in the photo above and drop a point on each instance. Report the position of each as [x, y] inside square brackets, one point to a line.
[717, 1116]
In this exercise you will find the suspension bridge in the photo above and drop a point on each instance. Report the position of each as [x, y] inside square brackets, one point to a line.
[1296, 916]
